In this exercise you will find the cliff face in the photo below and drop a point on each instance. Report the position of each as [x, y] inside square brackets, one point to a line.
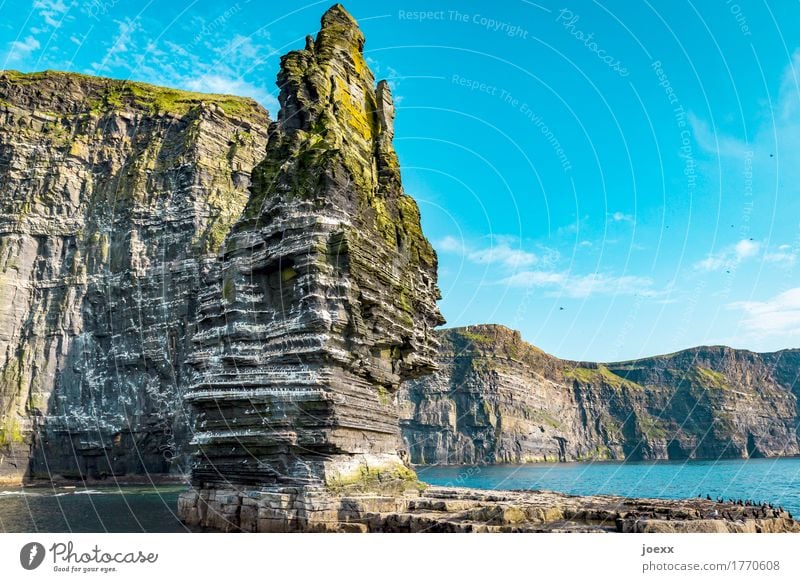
[139, 265]
[498, 399]
[113, 198]
[324, 297]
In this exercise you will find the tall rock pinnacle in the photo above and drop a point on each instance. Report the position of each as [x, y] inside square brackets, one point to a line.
[325, 294]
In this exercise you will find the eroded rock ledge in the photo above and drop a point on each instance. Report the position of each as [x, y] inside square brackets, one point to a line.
[455, 510]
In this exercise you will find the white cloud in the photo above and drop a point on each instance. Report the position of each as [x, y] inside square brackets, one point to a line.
[770, 158]
[535, 279]
[714, 142]
[230, 86]
[790, 86]
[503, 254]
[746, 249]
[20, 49]
[621, 217]
[242, 53]
[582, 286]
[450, 244]
[503, 250]
[734, 255]
[713, 263]
[52, 11]
[779, 316]
[214, 62]
[124, 42]
[784, 255]
[730, 256]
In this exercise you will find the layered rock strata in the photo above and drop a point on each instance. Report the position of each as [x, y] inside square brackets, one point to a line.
[323, 301]
[497, 399]
[113, 198]
[150, 251]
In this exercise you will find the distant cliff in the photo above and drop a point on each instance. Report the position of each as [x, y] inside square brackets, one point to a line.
[113, 198]
[497, 399]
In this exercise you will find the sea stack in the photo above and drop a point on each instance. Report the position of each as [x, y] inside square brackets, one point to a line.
[322, 302]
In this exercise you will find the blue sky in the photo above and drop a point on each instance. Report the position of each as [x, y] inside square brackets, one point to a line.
[614, 179]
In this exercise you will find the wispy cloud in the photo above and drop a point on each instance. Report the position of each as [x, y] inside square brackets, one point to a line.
[535, 279]
[582, 286]
[213, 62]
[621, 217]
[784, 255]
[390, 74]
[715, 142]
[123, 42]
[22, 49]
[778, 316]
[505, 255]
[503, 250]
[52, 11]
[231, 86]
[771, 152]
[730, 256]
[450, 244]
[515, 266]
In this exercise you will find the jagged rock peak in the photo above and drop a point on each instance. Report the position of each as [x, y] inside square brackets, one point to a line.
[339, 31]
[328, 90]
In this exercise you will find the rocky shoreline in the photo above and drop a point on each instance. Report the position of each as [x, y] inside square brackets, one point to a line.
[458, 510]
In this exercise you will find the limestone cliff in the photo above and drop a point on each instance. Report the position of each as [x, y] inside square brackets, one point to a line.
[113, 197]
[498, 399]
[324, 296]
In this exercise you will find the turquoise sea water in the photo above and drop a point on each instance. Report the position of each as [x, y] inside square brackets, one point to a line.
[152, 508]
[771, 480]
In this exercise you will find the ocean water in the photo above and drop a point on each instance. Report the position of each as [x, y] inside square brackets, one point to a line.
[140, 508]
[153, 508]
[771, 480]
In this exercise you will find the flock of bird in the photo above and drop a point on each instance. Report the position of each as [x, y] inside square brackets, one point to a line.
[776, 510]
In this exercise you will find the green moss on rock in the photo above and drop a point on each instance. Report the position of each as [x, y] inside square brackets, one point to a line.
[367, 479]
[112, 94]
[11, 432]
[709, 378]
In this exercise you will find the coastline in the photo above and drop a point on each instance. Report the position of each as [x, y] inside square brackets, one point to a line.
[435, 508]
[462, 510]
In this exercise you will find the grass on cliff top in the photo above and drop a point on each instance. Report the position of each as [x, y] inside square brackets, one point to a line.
[601, 374]
[478, 338]
[498, 339]
[115, 94]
